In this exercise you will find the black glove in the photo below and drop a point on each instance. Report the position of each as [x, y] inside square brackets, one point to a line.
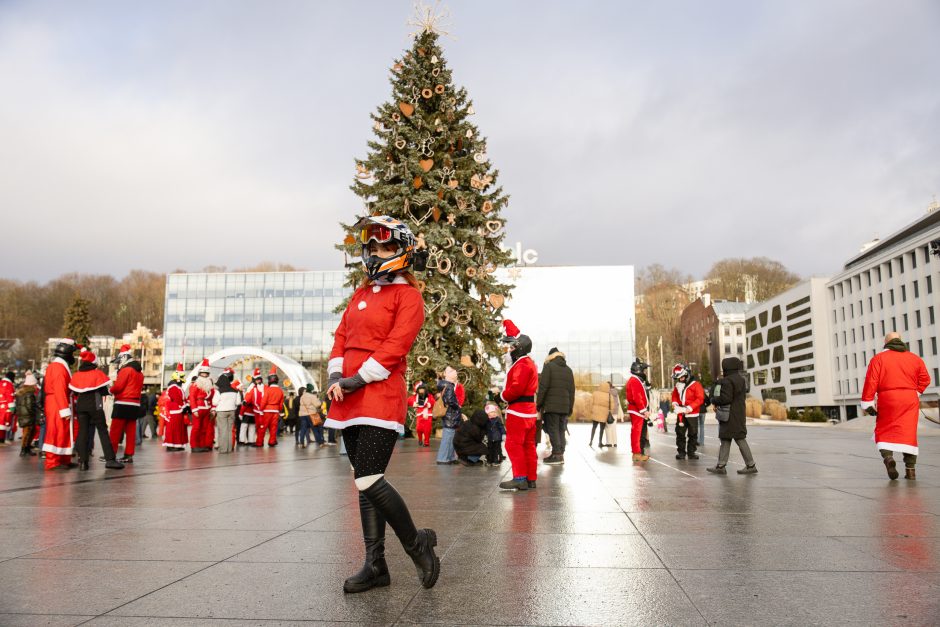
[351, 384]
[334, 378]
[871, 411]
[649, 423]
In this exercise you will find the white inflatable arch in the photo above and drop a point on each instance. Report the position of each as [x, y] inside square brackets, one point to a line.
[294, 371]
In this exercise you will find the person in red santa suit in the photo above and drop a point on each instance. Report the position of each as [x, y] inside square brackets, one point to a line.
[423, 404]
[272, 403]
[89, 386]
[367, 386]
[522, 382]
[894, 381]
[7, 406]
[251, 410]
[57, 407]
[200, 403]
[638, 404]
[687, 398]
[174, 424]
[126, 390]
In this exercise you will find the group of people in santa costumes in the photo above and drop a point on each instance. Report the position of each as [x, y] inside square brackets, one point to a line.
[255, 413]
[7, 406]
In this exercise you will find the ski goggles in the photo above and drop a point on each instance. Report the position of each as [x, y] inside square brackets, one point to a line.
[377, 232]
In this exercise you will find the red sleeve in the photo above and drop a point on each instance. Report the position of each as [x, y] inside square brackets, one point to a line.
[872, 379]
[923, 377]
[409, 316]
[121, 382]
[694, 397]
[675, 397]
[461, 393]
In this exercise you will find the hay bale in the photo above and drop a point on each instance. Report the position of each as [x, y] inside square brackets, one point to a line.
[752, 407]
[582, 406]
[775, 409]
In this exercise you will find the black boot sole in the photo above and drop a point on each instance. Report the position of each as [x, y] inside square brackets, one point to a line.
[378, 582]
[429, 579]
[892, 467]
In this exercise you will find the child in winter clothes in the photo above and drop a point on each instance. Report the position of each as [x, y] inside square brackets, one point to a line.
[423, 403]
[27, 412]
[495, 432]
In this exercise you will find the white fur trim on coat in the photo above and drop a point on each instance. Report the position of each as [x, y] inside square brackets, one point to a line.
[394, 425]
[866, 404]
[372, 371]
[335, 365]
[897, 448]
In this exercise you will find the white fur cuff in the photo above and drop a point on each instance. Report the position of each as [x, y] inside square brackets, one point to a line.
[866, 404]
[372, 371]
[335, 365]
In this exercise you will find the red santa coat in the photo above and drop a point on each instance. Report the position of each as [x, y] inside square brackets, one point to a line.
[272, 402]
[688, 400]
[174, 432]
[897, 379]
[128, 386]
[58, 408]
[637, 400]
[88, 381]
[199, 399]
[522, 382]
[252, 403]
[7, 398]
[373, 339]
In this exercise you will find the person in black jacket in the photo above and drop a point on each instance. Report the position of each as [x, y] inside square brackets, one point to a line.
[27, 412]
[90, 386]
[555, 401]
[730, 392]
[468, 441]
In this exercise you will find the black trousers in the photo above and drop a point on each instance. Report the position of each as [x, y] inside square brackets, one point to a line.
[88, 421]
[554, 426]
[600, 438]
[494, 452]
[687, 436]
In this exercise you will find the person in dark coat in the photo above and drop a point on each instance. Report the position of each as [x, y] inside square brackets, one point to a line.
[468, 441]
[555, 401]
[731, 391]
[495, 433]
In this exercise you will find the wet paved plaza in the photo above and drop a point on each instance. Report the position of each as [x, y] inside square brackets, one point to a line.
[266, 537]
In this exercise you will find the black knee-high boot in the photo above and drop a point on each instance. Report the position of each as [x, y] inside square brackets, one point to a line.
[374, 572]
[418, 543]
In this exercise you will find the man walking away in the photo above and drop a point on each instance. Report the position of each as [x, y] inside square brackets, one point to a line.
[894, 382]
[555, 401]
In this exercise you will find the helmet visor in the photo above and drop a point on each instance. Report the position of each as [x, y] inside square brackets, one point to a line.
[377, 232]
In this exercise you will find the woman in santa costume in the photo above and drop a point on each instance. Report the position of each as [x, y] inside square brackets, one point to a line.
[126, 390]
[174, 426]
[367, 387]
[522, 382]
[59, 437]
[897, 377]
[89, 386]
[423, 403]
[272, 402]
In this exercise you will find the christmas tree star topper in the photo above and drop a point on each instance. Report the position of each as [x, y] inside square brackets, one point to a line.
[430, 19]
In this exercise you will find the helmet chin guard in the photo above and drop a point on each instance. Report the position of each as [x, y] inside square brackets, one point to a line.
[382, 230]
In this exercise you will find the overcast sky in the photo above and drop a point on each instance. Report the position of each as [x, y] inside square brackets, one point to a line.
[163, 135]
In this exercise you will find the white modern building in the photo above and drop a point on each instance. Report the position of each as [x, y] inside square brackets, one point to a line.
[788, 348]
[891, 285]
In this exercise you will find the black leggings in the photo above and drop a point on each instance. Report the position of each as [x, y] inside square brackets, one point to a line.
[369, 448]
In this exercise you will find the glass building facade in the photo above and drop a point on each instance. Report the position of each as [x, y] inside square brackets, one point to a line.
[585, 311]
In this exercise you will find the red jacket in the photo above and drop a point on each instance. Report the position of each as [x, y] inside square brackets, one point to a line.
[522, 382]
[128, 385]
[273, 400]
[422, 411]
[199, 398]
[253, 398]
[637, 400]
[373, 339]
[691, 396]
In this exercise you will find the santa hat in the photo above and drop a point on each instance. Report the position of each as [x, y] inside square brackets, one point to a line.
[272, 374]
[204, 366]
[256, 374]
[125, 348]
[511, 330]
[229, 371]
[30, 378]
[88, 357]
[236, 384]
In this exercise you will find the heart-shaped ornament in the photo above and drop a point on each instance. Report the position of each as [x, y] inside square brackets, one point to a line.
[496, 300]
[423, 360]
[487, 206]
[418, 182]
[493, 225]
[466, 361]
[406, 108]
[426, 164]
[453, 183]
[434, 298]
[419, 221]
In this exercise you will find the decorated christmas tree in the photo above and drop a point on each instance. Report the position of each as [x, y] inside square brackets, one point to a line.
[428, 167]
